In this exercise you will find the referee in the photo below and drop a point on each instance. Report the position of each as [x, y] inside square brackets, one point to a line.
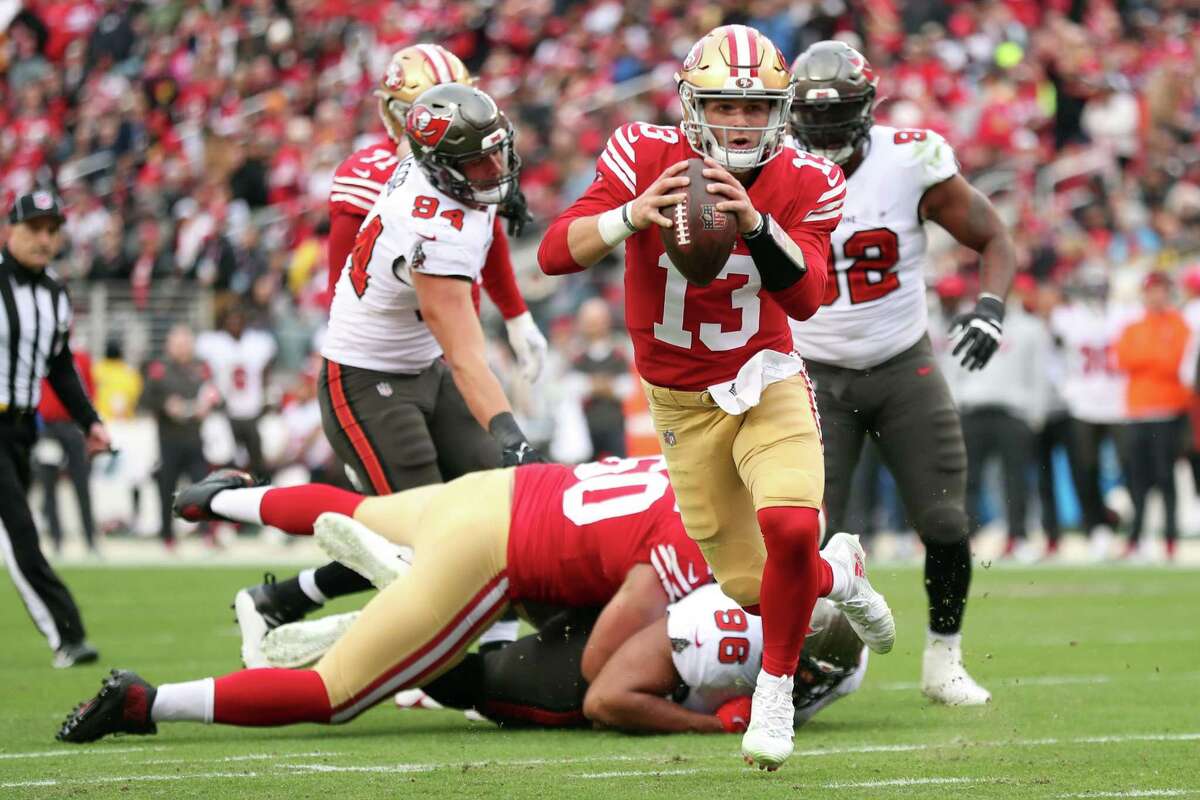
[35, 320]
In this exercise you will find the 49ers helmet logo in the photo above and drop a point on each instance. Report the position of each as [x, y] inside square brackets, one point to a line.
[426, 127]
[394, 78]
[693, 56]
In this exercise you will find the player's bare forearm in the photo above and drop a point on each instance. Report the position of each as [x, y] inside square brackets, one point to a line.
[448, 310]
[647, 713]
[968, 216]
[638, 603]
[584, 242]
[629, 692]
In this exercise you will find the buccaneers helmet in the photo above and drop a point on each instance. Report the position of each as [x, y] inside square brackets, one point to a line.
[455, 129]
[410, 72]
[831, 655]
[834, 94]
[734, 62]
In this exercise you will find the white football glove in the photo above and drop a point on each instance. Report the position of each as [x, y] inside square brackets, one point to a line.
[529, 344]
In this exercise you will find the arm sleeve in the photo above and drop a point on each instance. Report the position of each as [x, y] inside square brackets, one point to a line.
[616, 183]
[814, 214]
[802, 299]
[67, 384]
[499, 281]
[343, 228]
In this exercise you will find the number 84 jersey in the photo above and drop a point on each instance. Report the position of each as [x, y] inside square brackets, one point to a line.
[874, 306]
[374, 320]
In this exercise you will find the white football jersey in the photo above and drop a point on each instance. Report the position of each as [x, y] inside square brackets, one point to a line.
[716, 647]
[237, 367]
[875, 304]
[374, 320]
[1093, 387]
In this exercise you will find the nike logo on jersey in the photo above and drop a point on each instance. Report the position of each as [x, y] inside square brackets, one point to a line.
[362, 173]
[427, 238]
[696, 640]
[692, 579]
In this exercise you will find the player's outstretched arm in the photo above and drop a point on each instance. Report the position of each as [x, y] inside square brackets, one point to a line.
[596, 223]
[629, 693]
[970, 217]
[639, 602]
[448, 310]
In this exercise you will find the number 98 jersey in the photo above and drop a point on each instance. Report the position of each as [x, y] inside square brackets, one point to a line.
[716, 647]
[374, 320]
[874, 306]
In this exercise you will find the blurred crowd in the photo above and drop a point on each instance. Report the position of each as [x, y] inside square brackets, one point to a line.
[195, 142]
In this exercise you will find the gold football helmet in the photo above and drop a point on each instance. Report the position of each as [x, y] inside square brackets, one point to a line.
[410, 72]
[738, 62]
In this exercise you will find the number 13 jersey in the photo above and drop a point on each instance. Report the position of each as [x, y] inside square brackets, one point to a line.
[875, 305]
[692, 337]
[374, 320]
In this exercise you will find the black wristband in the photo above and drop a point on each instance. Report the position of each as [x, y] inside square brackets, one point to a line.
[505, 430]
[777, 269]
[988, 305]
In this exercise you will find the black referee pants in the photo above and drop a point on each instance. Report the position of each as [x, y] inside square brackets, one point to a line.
[48, 601]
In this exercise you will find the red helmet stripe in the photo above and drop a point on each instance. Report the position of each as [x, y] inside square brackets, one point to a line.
[441, 67]
[734, 59]
[752, 40]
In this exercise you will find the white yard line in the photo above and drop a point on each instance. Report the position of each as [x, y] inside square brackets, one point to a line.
[901, 782]
[128, 779]
[1058, 680]
[636, 774]
[1135, 793]
[63, 752]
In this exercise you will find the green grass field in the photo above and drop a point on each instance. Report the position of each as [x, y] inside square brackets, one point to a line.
[1095, 675]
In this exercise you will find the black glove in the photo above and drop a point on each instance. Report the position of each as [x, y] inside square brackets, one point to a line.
[516, 211]
[979, 332]
[515, 448]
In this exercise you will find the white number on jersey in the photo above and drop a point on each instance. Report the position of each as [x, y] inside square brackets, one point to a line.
[717, 648]
[616, 473]
[744, 298]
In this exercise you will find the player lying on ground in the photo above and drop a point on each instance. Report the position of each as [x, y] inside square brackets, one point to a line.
[692, 671]
[598, 534]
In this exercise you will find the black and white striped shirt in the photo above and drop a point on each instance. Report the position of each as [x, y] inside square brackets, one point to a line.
[35, 322]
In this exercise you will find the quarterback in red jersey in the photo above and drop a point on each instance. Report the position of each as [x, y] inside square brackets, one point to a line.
[359, 179]
[602, 534]
[731, 402]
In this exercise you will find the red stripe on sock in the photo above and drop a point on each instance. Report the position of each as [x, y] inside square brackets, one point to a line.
[790, 584]
[266, 697]
[294, 509]
[354, 431]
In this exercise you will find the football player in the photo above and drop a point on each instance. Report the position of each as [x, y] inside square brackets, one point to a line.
[730, 400]
[603, 534]
[868, 346]
[407, 397]
[359, 179]
[692, 671]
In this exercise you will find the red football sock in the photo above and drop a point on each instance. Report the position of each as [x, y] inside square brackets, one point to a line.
[266, 697]
[294, 509]
[794, 576]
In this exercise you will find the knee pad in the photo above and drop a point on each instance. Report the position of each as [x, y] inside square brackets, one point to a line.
[943, 524]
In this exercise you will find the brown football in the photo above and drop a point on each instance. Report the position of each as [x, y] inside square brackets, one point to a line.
[700, 241]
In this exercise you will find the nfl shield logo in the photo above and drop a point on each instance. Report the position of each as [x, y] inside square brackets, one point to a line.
[669, 438]
[384, 388]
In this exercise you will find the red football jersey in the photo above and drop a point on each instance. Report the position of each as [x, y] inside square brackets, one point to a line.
[357, 183]
[690, 337]
[577, 531]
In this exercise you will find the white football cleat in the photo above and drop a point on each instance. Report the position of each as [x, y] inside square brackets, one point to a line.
[416, 698]
[866, 610]
[767, 741]
[348, 541]
[253, 627]
[944, 679]
[299, 644]
[1100, 542]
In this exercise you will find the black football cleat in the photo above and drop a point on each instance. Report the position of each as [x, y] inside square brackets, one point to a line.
[70, 655]
[194, 503]
[122, 706]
